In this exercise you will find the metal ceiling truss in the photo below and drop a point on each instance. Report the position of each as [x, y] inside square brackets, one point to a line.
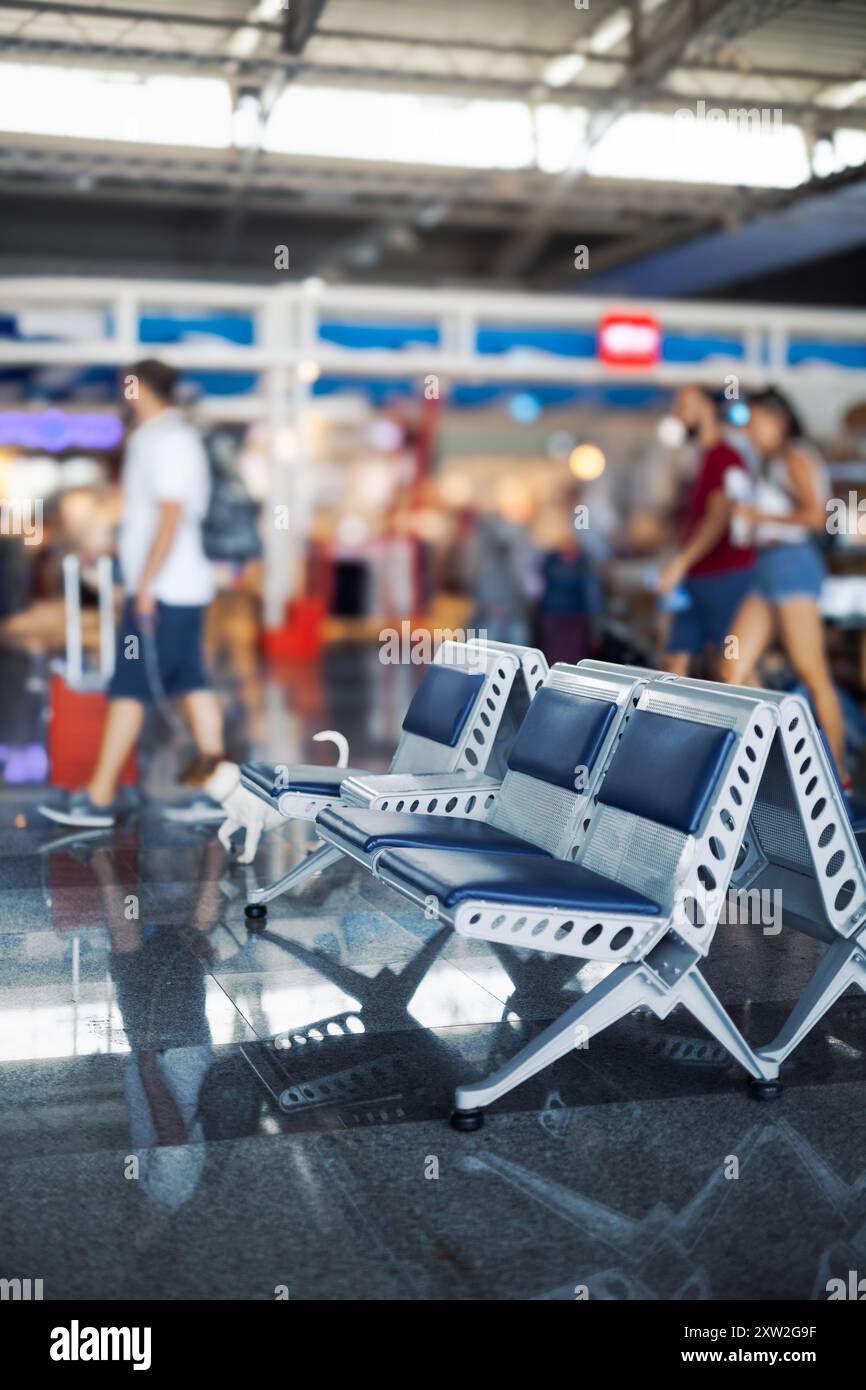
[686, 38]
[658, 46]
[700, 25]
[337, 184]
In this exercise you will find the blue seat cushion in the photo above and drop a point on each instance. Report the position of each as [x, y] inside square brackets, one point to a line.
[274, 780]
[560, 734]
[520, 880]
[442, 704]
[370, 831]
[666, 769]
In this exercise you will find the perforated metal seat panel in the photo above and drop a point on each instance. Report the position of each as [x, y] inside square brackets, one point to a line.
[521, 880]
[370, 831]
[536, 811]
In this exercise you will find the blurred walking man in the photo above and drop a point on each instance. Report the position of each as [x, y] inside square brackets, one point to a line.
[167, 585]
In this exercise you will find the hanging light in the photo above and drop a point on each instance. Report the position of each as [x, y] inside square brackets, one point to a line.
[587, 462]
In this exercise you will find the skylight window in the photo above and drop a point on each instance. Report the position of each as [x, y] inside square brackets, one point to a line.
[403, 128]
[92, 105]
[696, 149]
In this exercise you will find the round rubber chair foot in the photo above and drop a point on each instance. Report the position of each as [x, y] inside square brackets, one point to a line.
[762, 1089]
[467, 1120]
[256, 915]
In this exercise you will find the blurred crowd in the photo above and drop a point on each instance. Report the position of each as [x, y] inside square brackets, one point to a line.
[701, 543]
[736, 587]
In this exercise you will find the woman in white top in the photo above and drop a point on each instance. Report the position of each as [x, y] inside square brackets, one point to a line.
[789, 508]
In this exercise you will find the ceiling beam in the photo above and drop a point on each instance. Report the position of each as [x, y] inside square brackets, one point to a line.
[177, 18]
[76, 164]
[299, 25]
[180, 19]
[739, 17]
[313, 205]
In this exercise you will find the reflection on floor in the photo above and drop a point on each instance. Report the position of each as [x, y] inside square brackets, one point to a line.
[190, 1112]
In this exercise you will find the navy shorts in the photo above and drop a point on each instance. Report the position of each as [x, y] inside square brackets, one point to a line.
[789, 571]
[707, 621]
[178, 638]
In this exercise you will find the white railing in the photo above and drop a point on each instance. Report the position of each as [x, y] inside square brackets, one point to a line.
[287, 320]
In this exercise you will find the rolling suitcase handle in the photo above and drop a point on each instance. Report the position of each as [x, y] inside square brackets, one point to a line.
[105, 576]
[78, 694]
[74, 672]
[74, 666]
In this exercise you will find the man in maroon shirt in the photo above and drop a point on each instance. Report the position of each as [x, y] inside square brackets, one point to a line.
[708, 570]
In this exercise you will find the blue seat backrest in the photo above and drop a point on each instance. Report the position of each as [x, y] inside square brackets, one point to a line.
[666, 769]
[560, 734]
[442, 704]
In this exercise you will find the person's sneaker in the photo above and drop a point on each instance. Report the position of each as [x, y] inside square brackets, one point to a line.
[203, 811]
[78, 809]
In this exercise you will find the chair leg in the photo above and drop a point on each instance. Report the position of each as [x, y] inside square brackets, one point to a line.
[620, 992]
[843, 964]
[694, 994]
[313, 864]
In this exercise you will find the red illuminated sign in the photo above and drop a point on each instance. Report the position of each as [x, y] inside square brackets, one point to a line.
[629, 340]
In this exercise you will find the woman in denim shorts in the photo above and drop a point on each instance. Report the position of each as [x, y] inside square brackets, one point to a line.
[789, 507]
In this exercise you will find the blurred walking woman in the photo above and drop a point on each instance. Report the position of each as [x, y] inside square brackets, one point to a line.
[789, 507]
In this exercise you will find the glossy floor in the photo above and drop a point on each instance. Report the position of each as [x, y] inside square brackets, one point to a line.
[189, 1112]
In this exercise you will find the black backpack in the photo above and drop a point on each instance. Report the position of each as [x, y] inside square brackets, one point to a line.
[230, 529]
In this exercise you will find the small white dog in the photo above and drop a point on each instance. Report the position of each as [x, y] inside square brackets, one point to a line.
[244, 810]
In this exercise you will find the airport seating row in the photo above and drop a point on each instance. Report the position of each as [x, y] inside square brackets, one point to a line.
[630, 806]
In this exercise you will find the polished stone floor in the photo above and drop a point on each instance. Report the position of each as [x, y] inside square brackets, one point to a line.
[190, 1112]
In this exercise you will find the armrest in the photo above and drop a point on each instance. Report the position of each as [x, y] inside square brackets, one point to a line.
[430, 793]
[258, 778]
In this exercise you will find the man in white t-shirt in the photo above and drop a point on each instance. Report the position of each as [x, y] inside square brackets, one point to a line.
[167, 583]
